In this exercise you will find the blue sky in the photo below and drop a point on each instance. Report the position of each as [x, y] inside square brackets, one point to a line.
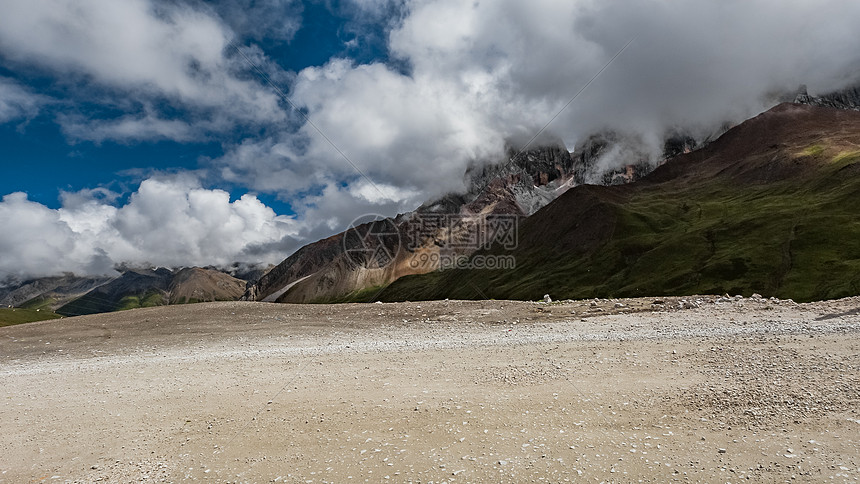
[40, 160]
[135, 132]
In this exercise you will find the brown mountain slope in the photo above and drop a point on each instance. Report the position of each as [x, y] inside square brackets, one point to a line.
[775, 145]
[194, 284]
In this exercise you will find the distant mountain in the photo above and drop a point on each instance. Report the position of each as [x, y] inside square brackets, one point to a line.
[770, 207]
[156, 287]
[134, 288]
[49, 293]
[191, 285]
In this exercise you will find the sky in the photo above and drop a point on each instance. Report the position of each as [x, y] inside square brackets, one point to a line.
[183, 132]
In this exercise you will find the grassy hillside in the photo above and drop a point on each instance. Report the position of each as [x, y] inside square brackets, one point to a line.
[98, 302]
[41, 303]
[771, 209]
[12, 316]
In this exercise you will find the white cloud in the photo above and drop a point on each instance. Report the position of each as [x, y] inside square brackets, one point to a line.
[74, 200]
[483, 73]
[18, 102]
[271, 164]
[180, 223]
[142, 50]
[414, 134]
[167, 222]
[34, 240]
[131, 128]
[336, 207]
[696, 62]
[378, 193]
[399, 130]
[261, 19]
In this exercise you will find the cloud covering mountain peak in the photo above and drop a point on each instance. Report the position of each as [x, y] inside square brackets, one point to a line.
[455, 84]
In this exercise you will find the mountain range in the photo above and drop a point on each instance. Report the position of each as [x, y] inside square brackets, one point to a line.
[765, 206]
[451, 228]
[519, 187]
[770, 207]
[70, 295]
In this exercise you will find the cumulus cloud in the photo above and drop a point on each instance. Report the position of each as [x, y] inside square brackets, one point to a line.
[414, 132]
[34, 240]
[482, 74]
[144, 51]
[18, 102]
[407, 133]
[699, 62]
[166, 222]
[337, 206]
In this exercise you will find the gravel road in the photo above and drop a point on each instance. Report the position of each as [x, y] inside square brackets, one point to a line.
[651, 390]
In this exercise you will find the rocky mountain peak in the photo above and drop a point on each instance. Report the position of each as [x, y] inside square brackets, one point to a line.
[848, 98]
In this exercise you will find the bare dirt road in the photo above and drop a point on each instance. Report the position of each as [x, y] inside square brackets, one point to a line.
[618, 391]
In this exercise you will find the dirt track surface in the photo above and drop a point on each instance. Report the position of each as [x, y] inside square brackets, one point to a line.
[437, 392]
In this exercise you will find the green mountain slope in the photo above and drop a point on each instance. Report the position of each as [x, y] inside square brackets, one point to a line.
[771, 207]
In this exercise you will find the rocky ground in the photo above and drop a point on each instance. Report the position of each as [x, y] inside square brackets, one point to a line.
[697, 389]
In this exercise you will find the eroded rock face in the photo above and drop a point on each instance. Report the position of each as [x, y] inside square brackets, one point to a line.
[848, 98]
[520, 184]
[610, 158]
